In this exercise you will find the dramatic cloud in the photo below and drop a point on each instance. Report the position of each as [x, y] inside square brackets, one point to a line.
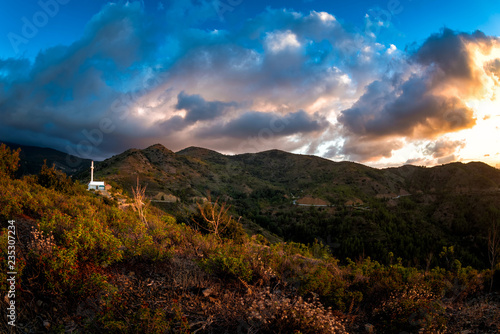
[424, 100]
[254, 123]
[454, 56]
[69, 89]
[283, 79]
[197, 109]
[150, 81]
[443, 147]
[408, 110]
[370, 150]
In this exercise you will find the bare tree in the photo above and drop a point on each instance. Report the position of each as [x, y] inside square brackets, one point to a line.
[140, 203]
[215, 215]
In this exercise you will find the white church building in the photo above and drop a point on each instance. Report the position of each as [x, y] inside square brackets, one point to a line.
[95, 185]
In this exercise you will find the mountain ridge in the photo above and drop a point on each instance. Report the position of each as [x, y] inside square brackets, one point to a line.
[276, 166]
[195, 170]
[32, 159]
[355, 209]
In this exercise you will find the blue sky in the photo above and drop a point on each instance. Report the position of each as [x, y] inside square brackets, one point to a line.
[379, 82]
[412, 20]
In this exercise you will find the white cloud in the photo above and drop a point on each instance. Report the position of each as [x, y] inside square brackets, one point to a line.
[282, 41]
[391, 49]
[326, 17]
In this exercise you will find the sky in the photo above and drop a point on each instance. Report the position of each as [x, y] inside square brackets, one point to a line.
[383, 83]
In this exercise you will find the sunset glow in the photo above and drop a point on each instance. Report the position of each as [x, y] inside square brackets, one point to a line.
[361, 82]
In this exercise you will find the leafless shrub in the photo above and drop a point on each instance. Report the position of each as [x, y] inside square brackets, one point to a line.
[216, 217]
[140, 202]
[494, 244]
[413, 308]
[273, 312]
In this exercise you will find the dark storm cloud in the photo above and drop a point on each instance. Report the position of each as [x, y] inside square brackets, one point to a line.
[254, 123]
[448, 51]
[407, 110]
[454, 65]
[68, 89]
[278, 60]
[197, 109]
[425, 100]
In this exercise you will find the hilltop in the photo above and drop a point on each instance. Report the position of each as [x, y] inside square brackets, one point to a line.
[198, 170]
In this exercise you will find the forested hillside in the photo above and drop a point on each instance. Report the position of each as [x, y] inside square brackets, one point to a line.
[88, 263]
[412, 212]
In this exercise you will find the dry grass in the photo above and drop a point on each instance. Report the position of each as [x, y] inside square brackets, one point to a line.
[39, 243]
[274, 312]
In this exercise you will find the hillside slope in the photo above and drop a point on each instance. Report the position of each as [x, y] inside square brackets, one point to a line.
[84, 264]
[32, 159]
[196, 170]
[411, 211]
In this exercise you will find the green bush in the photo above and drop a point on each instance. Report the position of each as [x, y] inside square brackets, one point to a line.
[55, 179]
[228, 262]
[10, 193]
[9, 161]
[333, 289]
[144, 318]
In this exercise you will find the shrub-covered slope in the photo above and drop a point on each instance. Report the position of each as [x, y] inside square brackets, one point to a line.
[86, 264]
[410, 211]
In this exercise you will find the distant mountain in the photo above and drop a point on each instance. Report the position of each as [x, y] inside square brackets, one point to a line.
[32, 159]
[355, 209]
[454, 177]
[194, 171]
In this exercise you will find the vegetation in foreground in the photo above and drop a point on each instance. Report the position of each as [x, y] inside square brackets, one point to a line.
[87, 264]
